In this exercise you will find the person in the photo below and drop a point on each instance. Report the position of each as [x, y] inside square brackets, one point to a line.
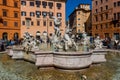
[2, 47]
[118, 46]
[108, 41]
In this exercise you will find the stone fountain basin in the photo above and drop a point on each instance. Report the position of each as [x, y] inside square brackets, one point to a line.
[9, 50]
[72, 60]
[61, 60]
[98, 56]
[64, 60]
[19, 53]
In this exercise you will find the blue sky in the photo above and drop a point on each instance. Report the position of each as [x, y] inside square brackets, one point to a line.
[71, 4]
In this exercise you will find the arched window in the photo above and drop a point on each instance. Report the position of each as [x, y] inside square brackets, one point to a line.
[38, 35]
[5, 36]
[16, 36]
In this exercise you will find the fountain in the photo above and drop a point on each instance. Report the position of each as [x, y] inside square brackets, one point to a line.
[65, 53]
[62, 56]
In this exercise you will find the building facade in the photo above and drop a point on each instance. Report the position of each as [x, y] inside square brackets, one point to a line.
[105, 18]
[80, 19]
[36, 16]
[9, 19]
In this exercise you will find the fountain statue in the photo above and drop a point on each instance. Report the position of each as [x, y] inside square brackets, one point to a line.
[62, 43]
[86, 42]
[30, 43]
[68, 39]
[98, 43]
[57, 35]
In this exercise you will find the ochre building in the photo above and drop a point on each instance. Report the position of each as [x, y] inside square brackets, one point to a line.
[36, 16]
[80, 19]
[9, 19]
[106, 18]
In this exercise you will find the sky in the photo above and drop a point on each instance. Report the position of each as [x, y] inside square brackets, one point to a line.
[71, 4]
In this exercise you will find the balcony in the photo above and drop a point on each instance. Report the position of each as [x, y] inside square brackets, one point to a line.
[104, 11]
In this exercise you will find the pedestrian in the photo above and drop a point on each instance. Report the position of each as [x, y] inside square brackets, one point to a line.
[2, 47]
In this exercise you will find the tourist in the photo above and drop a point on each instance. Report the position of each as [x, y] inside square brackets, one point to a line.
[118, 45]
[2, 47]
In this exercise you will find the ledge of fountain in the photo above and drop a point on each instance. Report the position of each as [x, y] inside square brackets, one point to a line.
[81, 53]
[41, 52]
[98, 55]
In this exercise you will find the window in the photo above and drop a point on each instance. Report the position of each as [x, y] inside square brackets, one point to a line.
[106, 16]
[4, 2]
[50, 14]
[118, 15]
[118, 3]
[23, 3]
[16, 36]
[114, 4]
[115, 25]
[5, 36]
[32, 23]
[101, 26]
[4, 23]
[96, 18]
[50, 23]
[28, 23]
[59, 15]
[50, 4]
[106, 25]
[23, 22]
[38, 3]
[101, 8]
[58, 5]
[15, 14]
[115, 16]
[101, 1]
[44, 23]
[4, 13]
[38, 23]
[78, 18]
[78, 25]
[101, 17]
[15, 4]
[1, 20]
[96, 10]
[31, 3]
[32, 14]
[44, 4]
[44, 14]
[16, 24]
[23, 13]
[106, 7]
[38, 13]
[96, 3]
